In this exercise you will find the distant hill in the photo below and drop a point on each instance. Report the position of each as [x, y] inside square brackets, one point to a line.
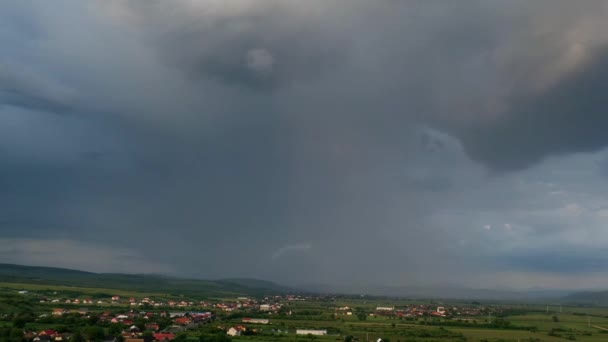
[599, 298]
[10, 273]
[440, 292]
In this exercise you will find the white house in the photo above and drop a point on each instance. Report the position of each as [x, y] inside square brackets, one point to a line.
[235, 331]
[385, 308]
[311, 332]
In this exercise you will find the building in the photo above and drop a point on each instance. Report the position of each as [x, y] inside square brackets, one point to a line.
[59, 312]
[256, 320]
[311, 332]
[182, 320]
[264, 307]
[164, 337]
[385, 308]
[236, 331]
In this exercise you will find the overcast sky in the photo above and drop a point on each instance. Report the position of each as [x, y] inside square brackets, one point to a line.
[320, 141]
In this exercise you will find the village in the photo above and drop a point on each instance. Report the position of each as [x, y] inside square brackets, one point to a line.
[150, 319]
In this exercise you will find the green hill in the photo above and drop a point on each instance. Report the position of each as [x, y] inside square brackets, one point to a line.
[10, 273]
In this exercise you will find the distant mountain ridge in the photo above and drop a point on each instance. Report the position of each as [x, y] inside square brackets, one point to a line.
[599, 298]
[441, 292]
[11, 273]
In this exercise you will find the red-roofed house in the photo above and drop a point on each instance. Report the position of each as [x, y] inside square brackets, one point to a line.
[164, 337]
[182, 320]
[48, 332]
[152, 326]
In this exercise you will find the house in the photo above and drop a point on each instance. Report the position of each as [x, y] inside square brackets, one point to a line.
[182, 320]
[115, 298]
[311, 332]
[49, 333]
[164, 337]
[200, 316]
[236, 331]
[152, 326]
[59, 312]
[83, 311]
[264, 307]
[385, 308]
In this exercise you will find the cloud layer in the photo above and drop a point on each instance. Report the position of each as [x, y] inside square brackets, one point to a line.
[395, 137]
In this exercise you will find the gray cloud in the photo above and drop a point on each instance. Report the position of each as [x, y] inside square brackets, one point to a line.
[24, 88]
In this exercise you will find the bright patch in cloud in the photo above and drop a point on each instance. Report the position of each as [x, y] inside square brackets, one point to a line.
[290, 249]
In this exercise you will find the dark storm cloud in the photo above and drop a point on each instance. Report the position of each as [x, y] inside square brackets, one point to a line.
[332, 137]
[261, 49]
[570, 116]
[270, 47]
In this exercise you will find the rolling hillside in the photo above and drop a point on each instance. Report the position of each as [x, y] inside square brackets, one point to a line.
[10, 273]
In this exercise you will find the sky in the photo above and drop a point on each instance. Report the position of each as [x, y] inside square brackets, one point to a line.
[401, 143]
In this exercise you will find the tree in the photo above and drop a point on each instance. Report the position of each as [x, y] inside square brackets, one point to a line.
[93, 319]
[115, 329]
[361, 316]
[93, 333]
[19, 322]
[148, 336]
[181, 338]
[77, 337]
[16, 335]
